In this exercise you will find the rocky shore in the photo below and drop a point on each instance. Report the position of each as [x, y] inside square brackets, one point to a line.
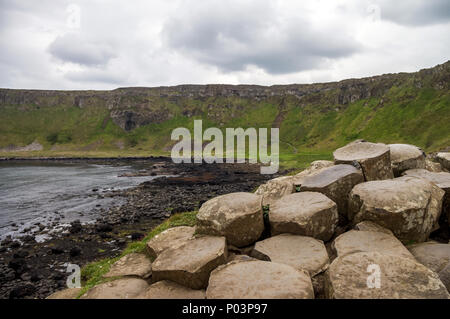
[34, 270]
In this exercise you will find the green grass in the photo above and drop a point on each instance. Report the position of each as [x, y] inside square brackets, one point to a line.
[92, 274]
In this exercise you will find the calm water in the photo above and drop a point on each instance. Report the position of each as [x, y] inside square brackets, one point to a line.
[32, 193]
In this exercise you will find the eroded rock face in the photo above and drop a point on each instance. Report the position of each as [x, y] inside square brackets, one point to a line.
[374, 159]
[405, 156]
[435, 256]
[444, 159]
[335, 182]
[352, 276]
[68, 293]
[355, 241]
[300, 252]
[306, 213]
[275, 189]
[409, 206]
[255, 279]
[133, 264]
[166, 289]
[237, 216]
[170, 238]
[124, 288]
[191, 263]
[371, 226]
[313, 168]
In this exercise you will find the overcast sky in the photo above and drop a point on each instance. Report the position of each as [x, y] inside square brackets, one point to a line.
[99, 44]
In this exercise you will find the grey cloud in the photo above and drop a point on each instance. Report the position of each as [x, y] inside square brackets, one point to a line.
[74, 48]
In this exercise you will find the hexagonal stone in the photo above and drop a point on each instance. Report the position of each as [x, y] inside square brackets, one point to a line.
[68, 293]
[124, 288]
[444, 159]
[275, 188]
[237, 216]
[166, 289]
[435, 256]
[374, 159]
[371, 226]
[300, 252]
[313, 168]
[191, 263]
[405, 156]
[336, 182]
[355, 276]
[255, 279]
[409, 206]
[306, 213]
[170, 238]
[133, 264]
[355, 241]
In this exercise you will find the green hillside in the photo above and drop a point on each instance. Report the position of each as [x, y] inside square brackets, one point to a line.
[313, 119]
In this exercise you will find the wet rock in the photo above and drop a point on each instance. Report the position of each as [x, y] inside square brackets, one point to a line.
[404, 157]
[74, 251]
[306, 213]
[75, 227]
[166, 289]
[103, 227]
[124, 288]
[133, 264]
[170, 238]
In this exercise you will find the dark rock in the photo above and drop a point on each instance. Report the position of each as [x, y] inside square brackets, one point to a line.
[20, 254]
[22, 291]
[137, 236]
[103, 227]
[75, 251]
[56, 250]
[75, 227]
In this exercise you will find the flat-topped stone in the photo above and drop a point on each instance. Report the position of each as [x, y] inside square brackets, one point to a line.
[133, 264]
[374, 159]
[237, 216]
[191, 263]
[300, 252]
[435, 256]
[170, 238]
[373, 275]
[68, 293]
[371, 226]
[406, 156]
[305, 213]
[409, 206]
[124, 288]
[255, 279]
[275, 188]
[355, 241]
[335, 182]
[166, 289]
[313, 168]
[444, 159]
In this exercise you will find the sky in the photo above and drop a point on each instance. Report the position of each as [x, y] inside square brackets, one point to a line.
[99, 44]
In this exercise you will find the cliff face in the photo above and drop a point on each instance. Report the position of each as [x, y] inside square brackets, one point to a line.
[136, 107]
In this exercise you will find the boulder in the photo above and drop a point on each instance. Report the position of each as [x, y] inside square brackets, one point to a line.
[444, 159]
[432, 166]
[306, 213]
[191, 263]
[355, 276]
[255, 279]
[166, 289]
[409, 206]
[355, 241]
[170, 238]
[275, 188]
[237, 216]
[313, 168]
[124, 288]
[404, 157]
[68, 293]
[435, 256]
[300, 252]
[374, 159]
[336, 182]
[133, 264]
[371, 226]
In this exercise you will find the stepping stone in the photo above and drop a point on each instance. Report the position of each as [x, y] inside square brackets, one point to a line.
[355, 276]
[306, 213]
[313, 168]
[444, 159]
[166, 289]
[336, 182]
[68, 293]
[275, 188]
[170, 238]
[355, 241]
[255, 279]
[374, 159]
[191, 263]
[370, 226]
[409, 206]
[124, 288]
[404, 157]
[237, 216]
[299, 252]
[133, 264]
[435, 256]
